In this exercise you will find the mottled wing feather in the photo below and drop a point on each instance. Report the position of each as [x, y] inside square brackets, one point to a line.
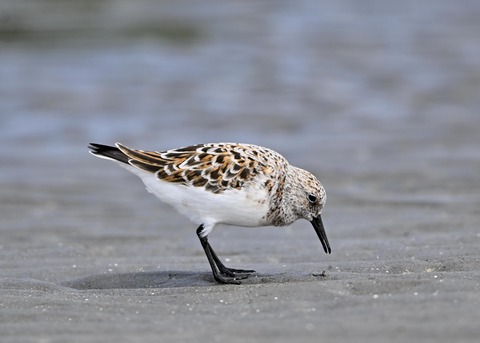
[216, 167]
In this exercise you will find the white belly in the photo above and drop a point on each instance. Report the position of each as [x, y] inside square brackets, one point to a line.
[234, 207]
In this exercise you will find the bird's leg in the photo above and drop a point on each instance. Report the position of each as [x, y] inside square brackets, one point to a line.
[219, 276]
[228, 271]
[223, 269]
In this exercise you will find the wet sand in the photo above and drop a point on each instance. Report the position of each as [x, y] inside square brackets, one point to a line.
[382, 105]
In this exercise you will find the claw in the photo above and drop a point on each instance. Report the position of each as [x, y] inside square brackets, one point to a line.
[226, 279]
[241, 271]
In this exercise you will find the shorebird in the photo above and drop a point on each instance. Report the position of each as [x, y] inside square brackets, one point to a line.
[226, 183]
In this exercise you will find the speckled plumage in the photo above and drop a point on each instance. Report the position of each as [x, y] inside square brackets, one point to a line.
[229, 183]
[215, 167]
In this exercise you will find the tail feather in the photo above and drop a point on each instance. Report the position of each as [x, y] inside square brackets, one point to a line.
[108, 152]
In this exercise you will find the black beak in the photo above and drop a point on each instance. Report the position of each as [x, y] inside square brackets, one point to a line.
[318, 226]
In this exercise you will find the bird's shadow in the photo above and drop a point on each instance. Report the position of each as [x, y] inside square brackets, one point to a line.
[156, 279]
[160, 279]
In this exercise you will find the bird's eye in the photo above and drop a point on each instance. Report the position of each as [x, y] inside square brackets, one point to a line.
[312, 198]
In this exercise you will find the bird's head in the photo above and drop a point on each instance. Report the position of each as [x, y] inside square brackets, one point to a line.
[307, 197]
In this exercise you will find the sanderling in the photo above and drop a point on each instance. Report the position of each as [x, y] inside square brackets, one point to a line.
[227, 183]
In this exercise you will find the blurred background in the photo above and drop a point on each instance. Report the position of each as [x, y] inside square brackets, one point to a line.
[380, 99]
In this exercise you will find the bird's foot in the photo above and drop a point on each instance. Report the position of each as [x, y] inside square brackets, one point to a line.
[240, 271]
[226, 279]
[236, 273]
[231, 276]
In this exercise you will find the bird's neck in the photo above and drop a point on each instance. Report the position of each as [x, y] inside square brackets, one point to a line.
[282, 212]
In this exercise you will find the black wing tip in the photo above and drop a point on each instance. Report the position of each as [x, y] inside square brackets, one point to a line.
[107, 151]
[96, 148]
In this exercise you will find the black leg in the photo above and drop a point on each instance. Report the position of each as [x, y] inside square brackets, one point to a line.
[221, 273]
[228, 271]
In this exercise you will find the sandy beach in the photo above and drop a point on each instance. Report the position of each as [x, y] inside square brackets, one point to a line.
[381, 102]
